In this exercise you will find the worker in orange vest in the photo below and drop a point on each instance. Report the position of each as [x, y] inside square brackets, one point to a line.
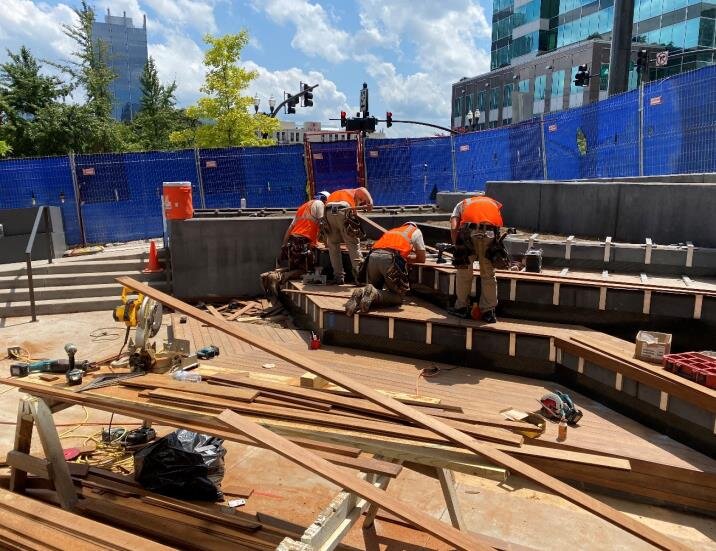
[299, 241]
[387, 266]
[475, 231]
[343, 226]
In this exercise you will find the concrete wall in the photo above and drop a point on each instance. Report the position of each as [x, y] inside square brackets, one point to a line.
[629, 212]
[223, 257]
[17, 226]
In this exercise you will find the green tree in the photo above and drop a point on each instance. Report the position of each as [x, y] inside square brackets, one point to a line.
[157, 116]
[4, 148]
[24, 94]
[225, 112]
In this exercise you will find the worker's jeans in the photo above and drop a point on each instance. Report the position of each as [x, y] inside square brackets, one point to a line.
[488, 281]
[379, 262]
[336, 235]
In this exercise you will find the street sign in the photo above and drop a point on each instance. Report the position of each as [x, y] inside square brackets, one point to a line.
[364, 100]
[662, 59]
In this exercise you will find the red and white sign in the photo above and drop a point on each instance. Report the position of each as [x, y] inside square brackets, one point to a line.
[465, 147]
[210, 164]
[656, 100]
[318, 156]
[88, 171]
[662, 59]
[552, 128]
[373, 153]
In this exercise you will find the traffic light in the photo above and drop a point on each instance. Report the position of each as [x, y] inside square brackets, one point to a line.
[291, 106]
[343, 119]
[642, 61]
[389, 119]
[582, 76]
[307, 96]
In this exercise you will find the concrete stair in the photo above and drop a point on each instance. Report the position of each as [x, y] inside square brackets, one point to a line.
[70, 285]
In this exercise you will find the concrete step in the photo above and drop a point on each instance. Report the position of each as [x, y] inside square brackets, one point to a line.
[74, 279]
[68, 292]
[77, 267]
[70, 304]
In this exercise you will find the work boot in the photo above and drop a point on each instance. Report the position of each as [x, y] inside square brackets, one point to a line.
[370, 294]
[489, 317]
[339, 280]
[463, 312]
[353, 302]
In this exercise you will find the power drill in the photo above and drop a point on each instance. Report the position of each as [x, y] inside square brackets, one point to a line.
[444, 248]
[207, 352]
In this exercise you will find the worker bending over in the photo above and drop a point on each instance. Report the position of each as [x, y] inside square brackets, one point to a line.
[343, 226]
[387, 266]
[299, 244]
[474, 228]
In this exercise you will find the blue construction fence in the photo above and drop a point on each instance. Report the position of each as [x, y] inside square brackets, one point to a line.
[667, 127]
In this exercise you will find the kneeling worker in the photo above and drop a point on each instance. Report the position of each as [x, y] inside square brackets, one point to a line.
[343, 226]
[387, 266]
[474, 227]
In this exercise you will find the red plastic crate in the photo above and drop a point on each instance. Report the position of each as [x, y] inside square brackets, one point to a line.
[693, 365]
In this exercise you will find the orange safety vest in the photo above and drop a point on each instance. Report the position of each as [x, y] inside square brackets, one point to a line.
[481, 210]
[306, 225]
[397, 239]
[347, 195]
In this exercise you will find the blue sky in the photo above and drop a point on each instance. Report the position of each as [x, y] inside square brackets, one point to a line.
[408, 51]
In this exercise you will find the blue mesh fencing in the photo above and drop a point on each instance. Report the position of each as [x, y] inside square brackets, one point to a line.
[120, 194]
[335, 165]
[264, 176]
[47, 180]
[680, 123]
[408, 171]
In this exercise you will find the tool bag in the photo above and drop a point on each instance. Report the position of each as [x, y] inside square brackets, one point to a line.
[396, 277]
[353, 225]
[497, 253]
[300, 253]
[463, 248]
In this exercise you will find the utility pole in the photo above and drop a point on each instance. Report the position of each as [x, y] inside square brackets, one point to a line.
[620, 53]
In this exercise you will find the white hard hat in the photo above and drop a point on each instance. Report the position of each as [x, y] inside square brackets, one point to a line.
[322, 195]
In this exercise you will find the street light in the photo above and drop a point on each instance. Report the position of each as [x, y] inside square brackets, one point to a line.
[257, 101]
[468, 119]
[272, 102]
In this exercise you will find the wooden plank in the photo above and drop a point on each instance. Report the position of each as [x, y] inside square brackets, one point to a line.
[359, 487]
[447, 483]
[573, 495]
[166, 382]
[23, 442]
[214, 312]
[309, 380]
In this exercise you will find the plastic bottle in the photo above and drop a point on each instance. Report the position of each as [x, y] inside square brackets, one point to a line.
[562, 430]
[187, 377]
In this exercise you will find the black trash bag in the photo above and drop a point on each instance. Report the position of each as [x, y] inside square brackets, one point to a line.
[183, 464]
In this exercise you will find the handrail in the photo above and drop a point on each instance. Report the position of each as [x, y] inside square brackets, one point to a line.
[42, 213]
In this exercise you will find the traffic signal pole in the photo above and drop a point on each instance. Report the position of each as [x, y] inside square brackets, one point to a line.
[620, 53]
[294, 98]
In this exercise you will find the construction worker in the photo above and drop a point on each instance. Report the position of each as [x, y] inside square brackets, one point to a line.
[387, 266]
[299, 243]
[474, 228]
[343, 226]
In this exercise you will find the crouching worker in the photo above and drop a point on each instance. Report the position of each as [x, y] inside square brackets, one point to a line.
[299, 244]
[343, 226]
[385, 270]
[475, 230]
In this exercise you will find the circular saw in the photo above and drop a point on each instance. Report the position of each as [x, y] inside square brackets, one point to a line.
[558, 405]
[145, 315]
[149, 321]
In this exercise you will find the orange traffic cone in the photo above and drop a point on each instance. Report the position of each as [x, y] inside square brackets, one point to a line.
[153, 263]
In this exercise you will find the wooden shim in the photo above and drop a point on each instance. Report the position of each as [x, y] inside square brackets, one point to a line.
[580, 499]
[237, 491]
[322, 468]
[162, 381]
[309, 380]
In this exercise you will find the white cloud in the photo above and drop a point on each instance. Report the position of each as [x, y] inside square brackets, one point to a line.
[39, 27]
[315, 33]
[180, 58]
[195, 14]
[328, 100]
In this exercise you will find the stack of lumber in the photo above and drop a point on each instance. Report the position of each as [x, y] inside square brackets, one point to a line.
[30, 524]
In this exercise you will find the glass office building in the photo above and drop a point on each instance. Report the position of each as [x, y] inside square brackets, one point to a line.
[126, 47]
[537, 46]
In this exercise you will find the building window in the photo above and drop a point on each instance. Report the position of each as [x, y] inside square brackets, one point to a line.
[557, 84]
[524, 86]
[481, 101]
[507, 96]
[604, 76]
[540, 87]
[468, 103]
[456, 107]
[495, 98]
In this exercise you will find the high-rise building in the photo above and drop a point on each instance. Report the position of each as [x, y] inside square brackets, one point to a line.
[537, 46]
[126, 47]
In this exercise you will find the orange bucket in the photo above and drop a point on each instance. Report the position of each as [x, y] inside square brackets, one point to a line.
[177, 200]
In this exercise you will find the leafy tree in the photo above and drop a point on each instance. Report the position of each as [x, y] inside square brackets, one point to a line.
[24, 93]
[4, 148]
[225, 112]
[157, 116]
